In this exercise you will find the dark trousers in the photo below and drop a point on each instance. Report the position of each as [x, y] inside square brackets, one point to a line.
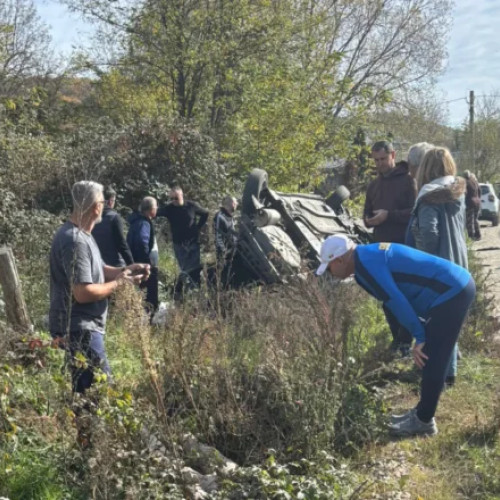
[188, 257]
[151, 287]
[441, 334]
[88, 353]
[399, 334]
[473, 230]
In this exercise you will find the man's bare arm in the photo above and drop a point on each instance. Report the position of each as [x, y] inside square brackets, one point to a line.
[84, 293]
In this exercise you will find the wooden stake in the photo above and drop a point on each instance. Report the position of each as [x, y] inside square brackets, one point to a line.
[15, 307]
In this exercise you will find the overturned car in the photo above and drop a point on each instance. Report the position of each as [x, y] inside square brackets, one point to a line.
[280, 234]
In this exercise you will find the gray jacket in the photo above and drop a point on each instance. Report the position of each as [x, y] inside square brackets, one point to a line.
[438, 223]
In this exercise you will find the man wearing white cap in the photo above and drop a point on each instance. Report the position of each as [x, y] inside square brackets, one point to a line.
[428, 295]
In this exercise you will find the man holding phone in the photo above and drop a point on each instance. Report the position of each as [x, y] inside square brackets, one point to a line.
[388, 206]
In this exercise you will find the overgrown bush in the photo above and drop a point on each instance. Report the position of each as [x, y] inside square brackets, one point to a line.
[273, 370]
[29, 233]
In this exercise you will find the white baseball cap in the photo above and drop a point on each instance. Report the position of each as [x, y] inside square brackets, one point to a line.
[333, 247]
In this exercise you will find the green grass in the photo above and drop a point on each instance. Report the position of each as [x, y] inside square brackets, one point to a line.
[268, 354]
[463, 460]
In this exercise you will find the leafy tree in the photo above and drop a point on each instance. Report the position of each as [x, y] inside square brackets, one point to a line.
[419, 119]
[24, 46]
[487, 140]
[280, 84]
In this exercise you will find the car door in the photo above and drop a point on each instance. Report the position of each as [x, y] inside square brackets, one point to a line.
[485, 202]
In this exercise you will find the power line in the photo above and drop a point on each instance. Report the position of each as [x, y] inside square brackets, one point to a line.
[454, 100]
[467, 100]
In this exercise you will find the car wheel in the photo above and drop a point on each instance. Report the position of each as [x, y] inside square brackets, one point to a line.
[256, 183]
[336, 199]
[494, 221]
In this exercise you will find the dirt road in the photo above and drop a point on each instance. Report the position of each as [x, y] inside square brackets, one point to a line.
[488, 251]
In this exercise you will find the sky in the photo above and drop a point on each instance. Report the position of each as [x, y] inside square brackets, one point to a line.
[473, 49]
[473, 55]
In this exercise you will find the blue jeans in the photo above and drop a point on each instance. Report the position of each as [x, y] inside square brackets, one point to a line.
[91, 345]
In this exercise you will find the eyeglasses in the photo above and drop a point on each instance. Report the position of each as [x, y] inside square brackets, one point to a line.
[174, 198]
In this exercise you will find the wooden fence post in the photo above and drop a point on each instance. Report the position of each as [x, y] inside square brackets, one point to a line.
[15, 307]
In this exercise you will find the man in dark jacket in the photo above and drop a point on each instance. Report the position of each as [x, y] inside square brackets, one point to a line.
[225, 234]
[186, 218]
[142, 242]
[472, 205]
[390, 197]
[109, 235]
[388, 206]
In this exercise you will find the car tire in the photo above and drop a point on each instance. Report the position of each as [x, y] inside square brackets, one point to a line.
[335, 200]
[494, 221]
[256, 183]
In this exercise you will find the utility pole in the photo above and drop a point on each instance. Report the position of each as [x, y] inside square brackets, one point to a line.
[472, 129]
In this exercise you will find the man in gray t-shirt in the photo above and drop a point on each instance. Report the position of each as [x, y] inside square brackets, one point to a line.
[74, 259]
[80, 284]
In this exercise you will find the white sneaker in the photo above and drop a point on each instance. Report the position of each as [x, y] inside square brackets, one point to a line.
[413, 426]
[396, 419]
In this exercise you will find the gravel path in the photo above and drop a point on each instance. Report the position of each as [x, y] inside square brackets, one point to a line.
[488, 251]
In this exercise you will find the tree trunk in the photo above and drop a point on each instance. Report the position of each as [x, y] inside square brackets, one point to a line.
[15, 307]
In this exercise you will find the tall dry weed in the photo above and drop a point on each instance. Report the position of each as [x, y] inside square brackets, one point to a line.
[271, 371]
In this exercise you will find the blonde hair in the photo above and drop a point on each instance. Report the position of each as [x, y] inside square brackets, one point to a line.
[437, 162]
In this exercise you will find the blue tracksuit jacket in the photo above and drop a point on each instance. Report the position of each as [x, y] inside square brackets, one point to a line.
[409, 282]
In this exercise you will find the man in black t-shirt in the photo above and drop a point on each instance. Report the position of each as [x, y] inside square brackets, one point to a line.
[186, 218]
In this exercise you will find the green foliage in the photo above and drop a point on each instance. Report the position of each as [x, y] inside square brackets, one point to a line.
[266, 377]
[29, 234]
[304, 479]
[32, 474]
[279, 126]
[280, 88]
[484, 142]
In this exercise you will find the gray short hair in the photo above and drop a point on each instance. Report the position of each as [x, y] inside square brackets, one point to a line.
[417, 152]
[85, 194]
[147, 204]
[228, 200]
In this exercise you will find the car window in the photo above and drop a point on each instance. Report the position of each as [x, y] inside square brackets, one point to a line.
[485, 189]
